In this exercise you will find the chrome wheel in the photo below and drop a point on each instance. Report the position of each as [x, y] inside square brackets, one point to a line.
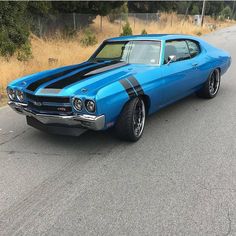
[214, 82]
[139, 116]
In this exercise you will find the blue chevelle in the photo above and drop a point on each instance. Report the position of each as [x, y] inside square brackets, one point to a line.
[126, 79]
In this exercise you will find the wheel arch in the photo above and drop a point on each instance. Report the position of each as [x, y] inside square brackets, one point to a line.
[218, 68]
[147, 102]
[146, 99]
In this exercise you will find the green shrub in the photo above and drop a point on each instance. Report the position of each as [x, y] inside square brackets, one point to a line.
[24, 53]
[7, 47]
[198, 33]
[127, 30]
[221, 18]
[88, 38]
[69, 32]
[226, 13]
[144, 31]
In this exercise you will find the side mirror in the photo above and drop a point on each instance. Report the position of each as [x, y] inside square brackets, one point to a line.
[171, 59]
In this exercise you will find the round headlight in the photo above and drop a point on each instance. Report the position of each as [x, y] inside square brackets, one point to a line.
[78, 104]
[20, 95]
[90, 105]
[11, 94]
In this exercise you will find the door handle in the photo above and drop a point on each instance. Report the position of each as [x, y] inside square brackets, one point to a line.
[195, 64]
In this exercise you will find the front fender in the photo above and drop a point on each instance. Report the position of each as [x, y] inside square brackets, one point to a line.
[110, 101]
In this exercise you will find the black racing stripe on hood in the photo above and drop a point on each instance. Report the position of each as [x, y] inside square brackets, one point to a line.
[33, 86]
[85, 74]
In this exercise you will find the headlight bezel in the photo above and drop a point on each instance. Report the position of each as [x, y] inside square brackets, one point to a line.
[11, 95]
[74, 105]
[20, 97]
[87, 105]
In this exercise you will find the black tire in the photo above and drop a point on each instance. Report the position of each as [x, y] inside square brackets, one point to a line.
[209, 89]
[125, 127]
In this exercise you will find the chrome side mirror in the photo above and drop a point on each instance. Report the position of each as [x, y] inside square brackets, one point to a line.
[171, 59]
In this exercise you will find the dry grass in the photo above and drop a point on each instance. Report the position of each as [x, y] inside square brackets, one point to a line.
[71, 52]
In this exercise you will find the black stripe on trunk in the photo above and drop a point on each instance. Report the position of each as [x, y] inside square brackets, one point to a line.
[136, 85]
[33, 86]
[83, 75]
[128, 87]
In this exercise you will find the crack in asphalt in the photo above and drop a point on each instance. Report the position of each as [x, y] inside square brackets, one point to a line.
[14, 137]
[12, 152]
[33, 153]
[229, 223]
[229, 220]
[216, 189]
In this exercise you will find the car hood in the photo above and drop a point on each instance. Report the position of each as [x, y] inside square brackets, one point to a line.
[83, 78]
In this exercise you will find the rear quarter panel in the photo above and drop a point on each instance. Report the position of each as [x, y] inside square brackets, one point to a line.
[217, 58]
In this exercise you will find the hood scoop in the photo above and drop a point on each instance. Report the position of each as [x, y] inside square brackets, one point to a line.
[50, 91]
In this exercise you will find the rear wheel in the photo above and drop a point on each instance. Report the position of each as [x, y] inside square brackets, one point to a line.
[211, 86]
[131, 122]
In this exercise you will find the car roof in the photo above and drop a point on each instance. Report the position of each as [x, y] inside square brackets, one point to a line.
[153, 37]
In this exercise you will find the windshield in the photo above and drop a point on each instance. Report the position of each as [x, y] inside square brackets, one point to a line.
[133, 52]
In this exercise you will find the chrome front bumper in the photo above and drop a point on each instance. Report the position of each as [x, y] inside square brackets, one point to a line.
[85, 121]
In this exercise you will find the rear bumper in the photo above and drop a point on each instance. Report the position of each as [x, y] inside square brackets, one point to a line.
[84, 121]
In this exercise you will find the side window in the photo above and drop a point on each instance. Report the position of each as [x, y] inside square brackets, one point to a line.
[178, 48]
[194, 48]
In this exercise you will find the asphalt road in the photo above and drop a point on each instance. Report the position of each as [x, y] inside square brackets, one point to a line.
[179, 179]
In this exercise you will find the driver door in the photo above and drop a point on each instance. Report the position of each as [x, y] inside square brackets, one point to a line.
[177, 74]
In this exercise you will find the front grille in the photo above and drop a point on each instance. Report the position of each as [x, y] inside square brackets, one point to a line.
[47, 99]
[49, 105]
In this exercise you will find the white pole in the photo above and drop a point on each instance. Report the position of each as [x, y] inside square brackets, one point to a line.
[203, 12]
[74, 21]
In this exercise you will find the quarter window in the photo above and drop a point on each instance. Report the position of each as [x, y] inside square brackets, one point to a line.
[178, 48]
[194, 48]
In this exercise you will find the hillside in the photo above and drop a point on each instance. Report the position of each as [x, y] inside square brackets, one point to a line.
[49, 53]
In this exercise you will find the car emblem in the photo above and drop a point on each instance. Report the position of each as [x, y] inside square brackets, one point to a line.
[61, 109]
[37, 103]
[84, 90]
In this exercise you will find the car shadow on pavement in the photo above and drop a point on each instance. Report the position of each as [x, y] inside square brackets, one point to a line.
[93, 140]
[102, 143]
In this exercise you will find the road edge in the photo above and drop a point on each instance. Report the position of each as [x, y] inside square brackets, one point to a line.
[3, 107]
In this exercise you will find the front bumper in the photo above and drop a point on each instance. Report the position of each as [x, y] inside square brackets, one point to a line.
[85, 121]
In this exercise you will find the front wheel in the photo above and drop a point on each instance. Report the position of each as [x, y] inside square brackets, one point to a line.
[211, 86]
[131, 122]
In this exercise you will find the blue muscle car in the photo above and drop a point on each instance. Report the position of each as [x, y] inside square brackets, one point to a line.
[126, 79]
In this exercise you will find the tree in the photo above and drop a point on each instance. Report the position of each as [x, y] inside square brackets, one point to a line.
[226, 12]
[36, 12]
[119, 12]
[214, 8]
[195, 10]
[14, 32]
